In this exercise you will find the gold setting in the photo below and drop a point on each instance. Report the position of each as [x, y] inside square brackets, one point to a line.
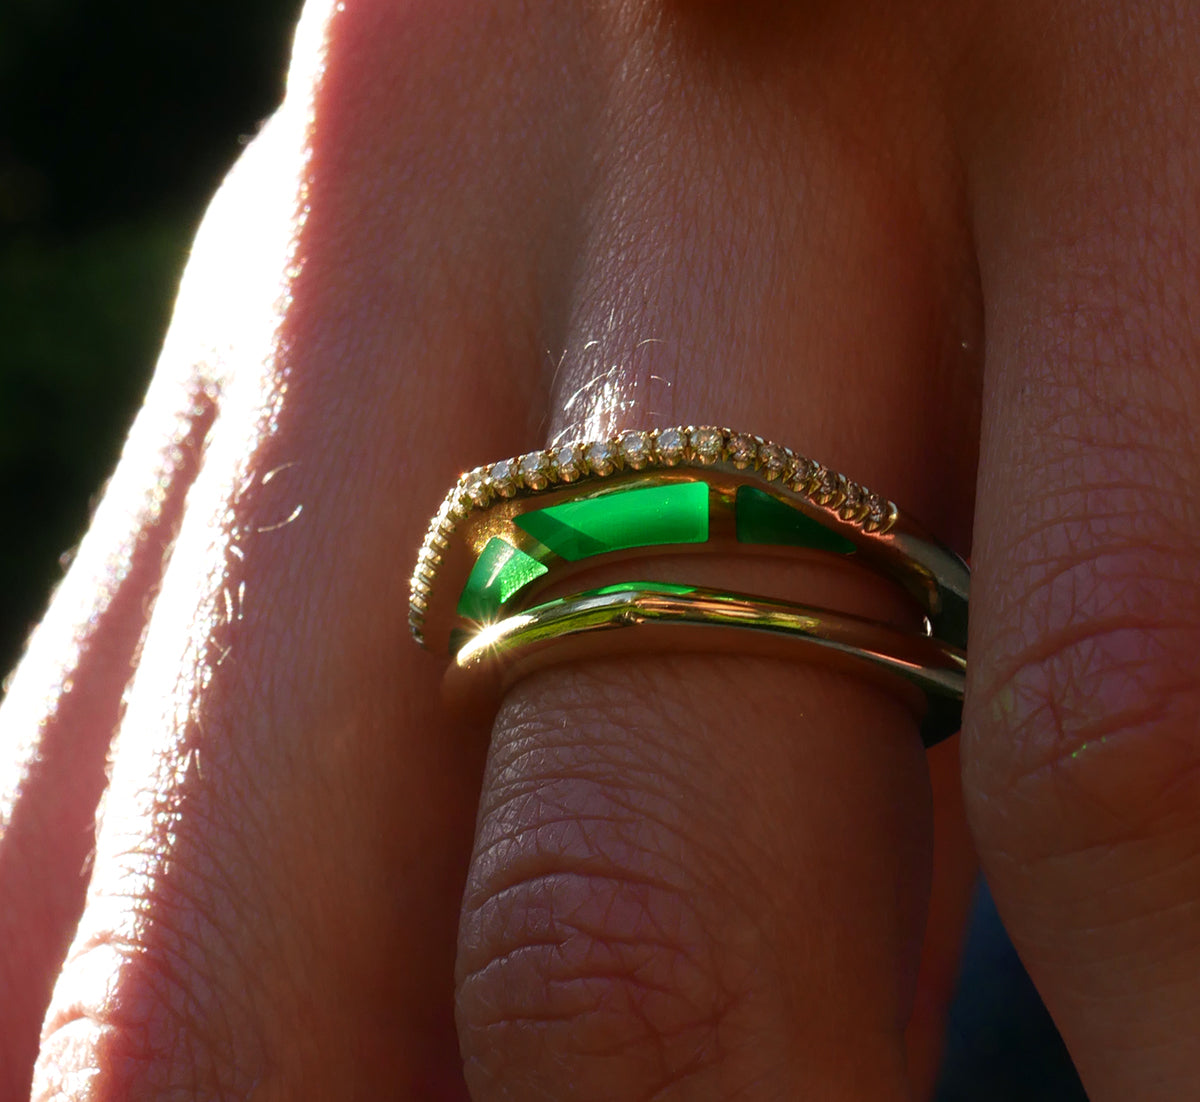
[704, 446]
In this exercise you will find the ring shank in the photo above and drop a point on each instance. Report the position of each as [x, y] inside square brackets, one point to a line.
[641, 618]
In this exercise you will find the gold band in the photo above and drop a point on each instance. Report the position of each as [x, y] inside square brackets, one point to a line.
[509, 530]
[581, 626]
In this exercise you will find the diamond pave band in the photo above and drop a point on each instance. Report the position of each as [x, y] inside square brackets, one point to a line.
[578, 461]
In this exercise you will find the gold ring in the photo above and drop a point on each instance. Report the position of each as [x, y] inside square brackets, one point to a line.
[510, 530]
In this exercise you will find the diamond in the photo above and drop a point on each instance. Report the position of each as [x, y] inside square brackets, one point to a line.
[878, 510]
[830, 486]
[743, 450]
[670, 445]
[453, 509]
[601, 458]
[800, 472]
[504, 478]
[635, 447]
[774, 459]
[535, 470]
[708, 443]
[855, 496]
[476, 487]
[570, 461]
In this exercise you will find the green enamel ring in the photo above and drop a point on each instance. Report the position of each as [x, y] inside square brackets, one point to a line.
[509, 530]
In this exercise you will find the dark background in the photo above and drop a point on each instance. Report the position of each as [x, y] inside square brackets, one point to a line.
[117, 121]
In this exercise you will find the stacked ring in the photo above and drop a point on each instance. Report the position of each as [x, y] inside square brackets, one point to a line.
[509, 531]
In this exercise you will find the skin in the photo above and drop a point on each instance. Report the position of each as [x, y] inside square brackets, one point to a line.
[950, 250]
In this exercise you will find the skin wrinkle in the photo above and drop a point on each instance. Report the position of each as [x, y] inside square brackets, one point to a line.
[1074, 514]
[526, 828]
[605, 693]
[142, 1034]
[599, 938]
[512, 821]
[169, 979]
[633, 984]
[1115, 575]
[1095, 785]
[602, 696]
[1110, 591]
[535, 791]
[609, 768]
[663, 778]
[639, 829]
[567, 925]
[575, 949]
[548, 844]
[1170, 917]
[532, 757]
[1050, 678]
[659, 1058]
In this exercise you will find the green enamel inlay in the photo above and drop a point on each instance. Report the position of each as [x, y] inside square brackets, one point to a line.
[645, 587]
[676, 513]
[763, 518]
[499, 572]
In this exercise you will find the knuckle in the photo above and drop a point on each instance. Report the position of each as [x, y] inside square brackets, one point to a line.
[589, 968]
[130, 1027]
[137, 1007]
[1091, 707]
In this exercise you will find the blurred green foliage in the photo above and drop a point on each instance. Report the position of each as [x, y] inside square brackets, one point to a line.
[117, 121]
[82, 318]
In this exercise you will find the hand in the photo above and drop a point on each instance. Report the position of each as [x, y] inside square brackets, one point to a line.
[865, 230]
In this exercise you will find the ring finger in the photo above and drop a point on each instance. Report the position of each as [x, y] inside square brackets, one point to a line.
[697, 874]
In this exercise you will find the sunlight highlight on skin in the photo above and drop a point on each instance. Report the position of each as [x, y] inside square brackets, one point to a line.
[612, 391]
[177, 669]
[236, 255]
[225, 335]
[129, 509]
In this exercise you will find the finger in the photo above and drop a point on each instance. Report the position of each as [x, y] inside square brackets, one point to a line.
[62, 705]
[277, 880]
[699, 876]
[63, 701]
[1081, 752]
